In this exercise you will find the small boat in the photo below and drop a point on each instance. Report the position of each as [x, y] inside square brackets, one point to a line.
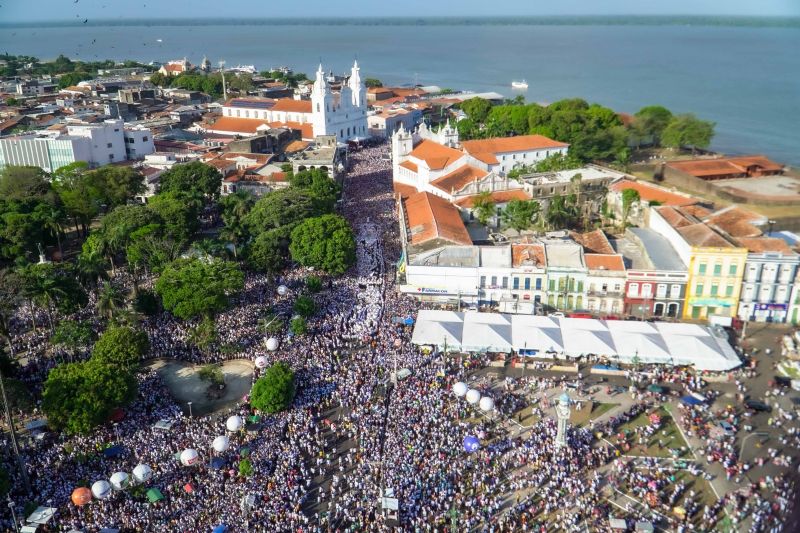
[159, 40]
[519, 84]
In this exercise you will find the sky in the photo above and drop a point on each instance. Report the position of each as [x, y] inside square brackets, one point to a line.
[50, 10]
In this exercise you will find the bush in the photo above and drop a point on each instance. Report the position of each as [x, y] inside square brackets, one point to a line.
[304, 306]
[298, 326]
[211, 373]
[245, 468]
[121, 346]
[274, 391]
[313, 284]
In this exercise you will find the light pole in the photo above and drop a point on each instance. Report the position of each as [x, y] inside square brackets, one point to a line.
[190, 409]
[13, 514]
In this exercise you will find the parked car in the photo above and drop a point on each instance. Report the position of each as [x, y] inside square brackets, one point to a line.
[727, 428]
[557, 314]
[757, 405]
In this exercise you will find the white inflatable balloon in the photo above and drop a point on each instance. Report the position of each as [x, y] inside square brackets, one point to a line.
[460, 389]
[272, 344]
[189, 457]
[101, 489]
[261, 361]
[486, 404]
[142, 473]
[221, 443]
[234, 423]
[282, 290]
[119, 480]
[473, 396]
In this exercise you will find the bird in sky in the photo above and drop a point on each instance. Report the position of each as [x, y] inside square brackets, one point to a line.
[85, 21]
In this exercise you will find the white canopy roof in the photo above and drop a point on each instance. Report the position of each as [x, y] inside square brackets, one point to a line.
[658, 342]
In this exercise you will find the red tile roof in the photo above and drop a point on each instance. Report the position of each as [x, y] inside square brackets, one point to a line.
[403, 190]
[528, 255]
[410, 166]
[459, 178]
[484, 149]
[498, 197]
[306, 130]
[652, 193]
[247, 126]
[430, 217]
[593, 241]
[604, 262]
[292, 106]
[435, 155]
[737, 222]
[765, 244]
[733, 166]
[296, 146]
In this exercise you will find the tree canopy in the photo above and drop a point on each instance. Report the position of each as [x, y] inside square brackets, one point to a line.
[324, 242]
[269, 251]
[274, 391]
[520, 214]
[121, 346]
[688, 130]
[194, 176]
[195, 287]
[284, 207]
[79, 396]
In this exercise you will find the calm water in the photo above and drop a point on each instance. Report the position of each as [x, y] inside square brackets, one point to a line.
[746, 79]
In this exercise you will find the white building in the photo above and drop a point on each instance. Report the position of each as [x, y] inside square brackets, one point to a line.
[769, 279]
[138, 142]
[343, 114]
[96, 143]
[384, 123]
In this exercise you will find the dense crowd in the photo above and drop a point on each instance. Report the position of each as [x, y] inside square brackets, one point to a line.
[374, 416]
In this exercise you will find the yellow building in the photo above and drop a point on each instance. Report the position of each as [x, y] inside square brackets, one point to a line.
[715, 264]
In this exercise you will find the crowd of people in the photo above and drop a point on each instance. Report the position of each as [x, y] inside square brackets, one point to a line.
[374, 421]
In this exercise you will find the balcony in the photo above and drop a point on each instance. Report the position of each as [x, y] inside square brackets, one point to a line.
[605, 294]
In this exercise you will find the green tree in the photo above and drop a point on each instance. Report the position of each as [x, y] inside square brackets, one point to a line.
[179, 212]
[160, 80]
[204, 335]
[561, 211]
[116, 228]
[477, 109]
[298, 326]
[521, 214]
[78, 192]
[687, 130]
[73, 335]
[324, 242]
[483, 207]
[313, 284]
[79, 396]
[117, 185]
[195, 287]
[245, 468]
[212, 373]
[304, 306]
[270, 323]
[373, 82]
[557, 163]
[235, 207]
[195, 176]
[317, 183]
[629, 197]
[242, 82]
[25, 184]
[121, 347]
[146, 302]
[650, 122]
[269, 251]
[274, 391]
[53, 287]
[73, 78]
[92, 264]
[284, 207]
[109, 300]
[10, 297]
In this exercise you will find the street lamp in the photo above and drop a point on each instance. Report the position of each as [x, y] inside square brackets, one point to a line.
[13, 514]
[190, 409]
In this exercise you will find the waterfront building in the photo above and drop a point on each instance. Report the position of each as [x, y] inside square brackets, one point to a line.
[605, 283]
[528, 278]
[566, 274]
[97, 144]
[769, 281]
[715, 264]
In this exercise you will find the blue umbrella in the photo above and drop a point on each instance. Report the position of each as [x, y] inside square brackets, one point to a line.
[409, 321]
[222, 528]
[217, 463]
[471, 444]
[114, 451]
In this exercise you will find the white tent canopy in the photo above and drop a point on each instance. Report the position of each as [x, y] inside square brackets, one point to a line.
[624, 341]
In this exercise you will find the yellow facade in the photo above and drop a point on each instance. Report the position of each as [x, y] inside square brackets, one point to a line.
[715, 282]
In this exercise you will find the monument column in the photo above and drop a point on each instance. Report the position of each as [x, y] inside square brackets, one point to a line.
[562, 412]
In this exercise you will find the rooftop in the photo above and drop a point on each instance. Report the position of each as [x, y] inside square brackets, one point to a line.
[564, 254]
[498, 145]
[459, 178]
[435, 155]
[604, 262]
[528, 255]
[498, 197]
[292, 106]
[659, 253]
[653, 193]
[766, 244]
[728, 165]
[430, 217]
[737, 222]
[593, 241]
[236, 125]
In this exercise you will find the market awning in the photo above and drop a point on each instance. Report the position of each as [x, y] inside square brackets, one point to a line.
[691, 400]
[154, 495]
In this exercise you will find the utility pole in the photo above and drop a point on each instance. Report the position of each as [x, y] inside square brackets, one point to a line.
[224, 88]
[12, 430]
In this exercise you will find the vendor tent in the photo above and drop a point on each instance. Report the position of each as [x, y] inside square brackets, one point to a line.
[579, 342]
[42, 515]
[486, 332]
[439, 328]
[691, 400]
[154, 495]
[539, 333]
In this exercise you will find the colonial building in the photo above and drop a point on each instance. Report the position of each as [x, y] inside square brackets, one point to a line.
[769, 279]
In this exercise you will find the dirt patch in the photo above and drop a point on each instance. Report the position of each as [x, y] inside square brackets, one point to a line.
[185, 386]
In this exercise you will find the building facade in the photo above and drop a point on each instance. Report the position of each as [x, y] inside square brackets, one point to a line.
[769, 281]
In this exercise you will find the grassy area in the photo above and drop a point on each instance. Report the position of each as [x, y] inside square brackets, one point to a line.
[659, 444]
[590, 411]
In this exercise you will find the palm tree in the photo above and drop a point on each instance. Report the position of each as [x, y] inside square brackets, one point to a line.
[234, 234]
[109, 300]
[10, 289]
[91, 269]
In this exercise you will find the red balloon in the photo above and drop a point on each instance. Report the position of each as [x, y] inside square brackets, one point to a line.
[81, 496]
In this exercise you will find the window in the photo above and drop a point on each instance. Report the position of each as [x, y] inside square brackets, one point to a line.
[551, 285]
[701, 268]
[144, 139]
[616, 287]
[675, 291]
[538, 284]
[527, 284]
[633, 289]
[696, 312]
[698, 290]
[580, 286]
[717, 269]
[505, 282]
[732, 270]
[494, 281]
[714, 289]
[661, 290]
[108, 145]
[483, 281]
[728, 290]
[515, 284]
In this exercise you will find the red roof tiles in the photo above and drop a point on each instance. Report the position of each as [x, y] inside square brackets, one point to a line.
[430, 217]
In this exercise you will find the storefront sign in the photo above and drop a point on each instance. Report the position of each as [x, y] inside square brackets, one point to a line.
[770, 307]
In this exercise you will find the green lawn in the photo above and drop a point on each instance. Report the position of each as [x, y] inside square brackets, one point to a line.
[585, 415]
[669, 436]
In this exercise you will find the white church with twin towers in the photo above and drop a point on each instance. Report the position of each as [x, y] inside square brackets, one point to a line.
[343, 114]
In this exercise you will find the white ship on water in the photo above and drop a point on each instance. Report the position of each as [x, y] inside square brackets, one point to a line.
[519, 84]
